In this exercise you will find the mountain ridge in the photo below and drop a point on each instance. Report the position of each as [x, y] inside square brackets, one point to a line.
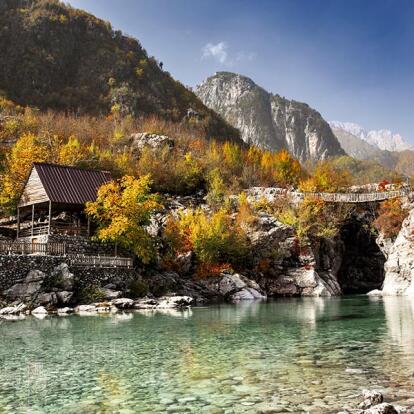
[383, 139]
[268, 120]
[400, 161]
[55, 56]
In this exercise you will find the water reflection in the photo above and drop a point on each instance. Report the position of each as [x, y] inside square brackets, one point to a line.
[301, 355]
[399, 312]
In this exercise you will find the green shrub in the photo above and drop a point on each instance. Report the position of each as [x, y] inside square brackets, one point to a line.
[90, 294]
[138, 288]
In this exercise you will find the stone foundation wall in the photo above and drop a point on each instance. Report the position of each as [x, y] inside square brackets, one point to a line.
[16, 268]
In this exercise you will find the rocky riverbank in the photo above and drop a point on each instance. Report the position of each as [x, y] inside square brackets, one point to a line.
[373, 403]
[276, 265]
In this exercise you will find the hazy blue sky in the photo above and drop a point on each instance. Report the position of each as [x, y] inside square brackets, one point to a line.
[353, 60]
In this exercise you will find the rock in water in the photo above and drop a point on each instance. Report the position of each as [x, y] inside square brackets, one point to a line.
[123, 303]
[39, 311]
[383, 408]
[85, 309]
[269, 121]
[371, 398]
[13, 310]
[237, 287]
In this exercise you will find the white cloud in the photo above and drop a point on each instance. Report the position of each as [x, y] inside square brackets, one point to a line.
[218, 51]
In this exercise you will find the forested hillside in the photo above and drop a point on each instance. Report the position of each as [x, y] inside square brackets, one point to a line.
[55, 56]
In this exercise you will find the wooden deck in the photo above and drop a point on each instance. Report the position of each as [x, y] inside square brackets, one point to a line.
[59, 250]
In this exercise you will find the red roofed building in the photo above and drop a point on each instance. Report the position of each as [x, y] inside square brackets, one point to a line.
[54, 198]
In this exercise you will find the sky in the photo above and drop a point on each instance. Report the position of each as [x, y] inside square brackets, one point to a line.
[352, 60]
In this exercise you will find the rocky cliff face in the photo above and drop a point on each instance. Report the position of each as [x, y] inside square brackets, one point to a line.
[399, 267]
[269, 121]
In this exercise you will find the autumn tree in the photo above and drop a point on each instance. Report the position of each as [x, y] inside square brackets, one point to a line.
[326, 178]
[216, 239]
[122, 210]
[27, 150]
[73, 152]
[391, 214]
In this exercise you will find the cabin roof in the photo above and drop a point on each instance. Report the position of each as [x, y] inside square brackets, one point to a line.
[70, 185]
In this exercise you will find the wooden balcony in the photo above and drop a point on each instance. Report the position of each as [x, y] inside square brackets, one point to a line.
[67, 229]
[32, 249]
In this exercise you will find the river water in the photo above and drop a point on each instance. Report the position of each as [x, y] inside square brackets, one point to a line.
[293, 355]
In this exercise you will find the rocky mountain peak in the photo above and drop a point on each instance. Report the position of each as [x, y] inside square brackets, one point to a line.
[268, 120]
[382, 139]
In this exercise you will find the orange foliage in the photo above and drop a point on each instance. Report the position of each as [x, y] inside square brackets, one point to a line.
[390, 217]
[205, 270]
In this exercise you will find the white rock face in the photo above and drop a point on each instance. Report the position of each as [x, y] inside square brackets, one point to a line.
[269, 121]
[142, 140]
[39, 311]
[383, 139]
[238, 287]
[399, 267]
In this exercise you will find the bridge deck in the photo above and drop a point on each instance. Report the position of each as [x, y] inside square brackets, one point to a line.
[356, 197]
[296, 196]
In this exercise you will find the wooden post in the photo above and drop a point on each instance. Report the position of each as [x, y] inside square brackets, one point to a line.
[33, 209]
[50, 218]
[89, 226]
[18, 222]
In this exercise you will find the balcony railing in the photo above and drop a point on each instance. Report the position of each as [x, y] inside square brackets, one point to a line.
[62, 228]
[59, 249]
[100, 261]
[35, 249]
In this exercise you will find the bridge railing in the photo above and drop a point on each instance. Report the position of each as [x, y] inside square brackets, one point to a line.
[357, 197]
[297, 196]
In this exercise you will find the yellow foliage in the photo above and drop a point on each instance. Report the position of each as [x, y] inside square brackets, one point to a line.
[313, 217]
[245, 214]
[215, 238]
[216, 189]
[19, 161]
[326, 178]
[72, 152]
[122, 209]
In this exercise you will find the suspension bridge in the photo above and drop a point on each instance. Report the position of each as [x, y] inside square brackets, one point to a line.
[344, 197]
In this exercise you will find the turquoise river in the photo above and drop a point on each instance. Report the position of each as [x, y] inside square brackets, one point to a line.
[296, 355]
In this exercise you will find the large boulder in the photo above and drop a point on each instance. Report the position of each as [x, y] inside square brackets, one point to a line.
[28, 289]
[370, 398]
[383, 408]
[13, 310]
[142, 140]
[302, 281]
[235, 287]
[41, 289]
[173, 284]
[269, 238]
[40, 310]
[62, 277]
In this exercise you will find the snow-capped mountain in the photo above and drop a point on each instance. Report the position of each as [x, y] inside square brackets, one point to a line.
[383, 139]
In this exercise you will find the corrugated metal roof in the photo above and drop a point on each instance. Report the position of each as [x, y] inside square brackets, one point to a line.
[70, 185]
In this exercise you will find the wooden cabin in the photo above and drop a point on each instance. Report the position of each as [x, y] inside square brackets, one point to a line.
[54, 198]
